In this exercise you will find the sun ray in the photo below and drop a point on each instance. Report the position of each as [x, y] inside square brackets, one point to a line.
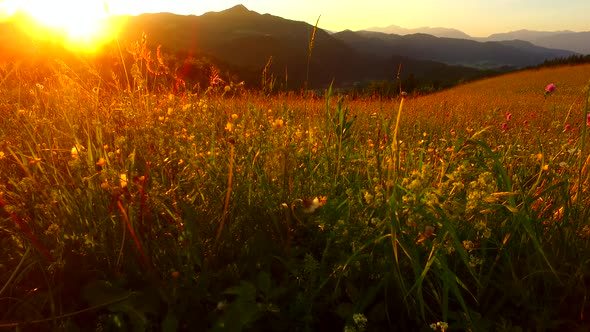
[80, 25]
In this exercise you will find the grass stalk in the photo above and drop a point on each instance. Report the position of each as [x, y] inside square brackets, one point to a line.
[228, 191]
[310, 50]
[133, 235]
[582, 146]
[16, 269]
[394, 162]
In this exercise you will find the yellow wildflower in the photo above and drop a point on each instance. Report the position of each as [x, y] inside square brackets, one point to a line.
[229, 127]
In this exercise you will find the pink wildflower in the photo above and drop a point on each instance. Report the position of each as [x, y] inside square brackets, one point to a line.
[550, 88]
[504, 126]
[567, 127]
[508, 116]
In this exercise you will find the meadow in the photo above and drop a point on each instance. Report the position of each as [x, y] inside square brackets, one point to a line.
[130, 204]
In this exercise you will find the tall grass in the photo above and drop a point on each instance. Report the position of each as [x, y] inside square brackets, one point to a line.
[152, 208]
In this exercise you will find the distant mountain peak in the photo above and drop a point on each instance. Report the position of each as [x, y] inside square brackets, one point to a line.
[436, 31]
[524, 34]
[238, 9]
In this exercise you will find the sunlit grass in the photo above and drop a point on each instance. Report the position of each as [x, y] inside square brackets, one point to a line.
[136, 205]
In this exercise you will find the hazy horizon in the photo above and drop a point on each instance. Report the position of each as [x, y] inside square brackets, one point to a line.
[477, 19]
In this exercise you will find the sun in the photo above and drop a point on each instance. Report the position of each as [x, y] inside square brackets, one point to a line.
[81, 25]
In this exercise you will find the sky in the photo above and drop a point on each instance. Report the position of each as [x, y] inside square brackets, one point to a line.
[478, 18]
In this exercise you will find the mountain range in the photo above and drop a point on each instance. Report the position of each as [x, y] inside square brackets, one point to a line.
[578, 42]
[247, 40]
[243, 42]
[438, 31]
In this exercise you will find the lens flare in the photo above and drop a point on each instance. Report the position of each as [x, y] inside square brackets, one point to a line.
[79, 25]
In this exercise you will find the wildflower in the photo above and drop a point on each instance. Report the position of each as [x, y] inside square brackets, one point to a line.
[123, 180]
[567, 127]
[525, 122]
[33, 161]
[105, 185]
[39, 86]
[550, 88]
[504, 126]
[170, 111]
[53, 229]
[227, 88]
[348, 328]
[508, 116]
[221, 305]
[468, 245]
[229, 126]
[588, 119]
[2, 155]
[76, 151]
[359, 319]
[309, 206]
[442, 325]
[278, 123]
[101, 162]
[214, 78]
[368, 197]
[234, 116]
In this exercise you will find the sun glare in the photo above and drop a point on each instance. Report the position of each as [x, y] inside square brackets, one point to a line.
[79, 25]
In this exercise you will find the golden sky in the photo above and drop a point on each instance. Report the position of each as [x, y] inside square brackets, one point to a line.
[82, 21]
[478, 18]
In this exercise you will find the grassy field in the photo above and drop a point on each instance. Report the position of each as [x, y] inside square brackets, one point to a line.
[154, 208]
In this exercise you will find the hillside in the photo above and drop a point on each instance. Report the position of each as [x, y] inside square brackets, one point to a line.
[566, 40]
[488, 101]
[247, 40]
[453, 51]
